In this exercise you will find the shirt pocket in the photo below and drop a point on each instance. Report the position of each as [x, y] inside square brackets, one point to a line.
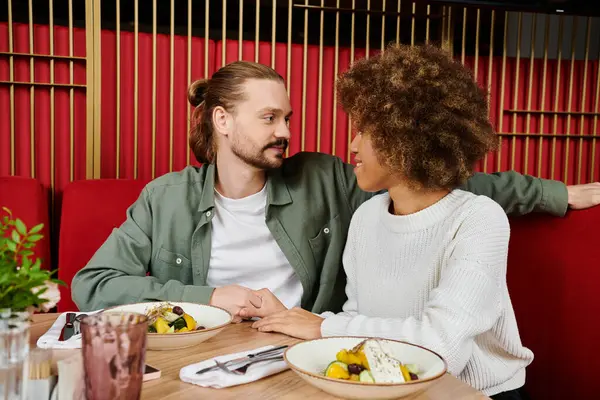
[170, 265]
[320, 243]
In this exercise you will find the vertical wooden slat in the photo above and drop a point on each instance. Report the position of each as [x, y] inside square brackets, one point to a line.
[543, 102]
[257, 37]
[97, 85]
[398, 22]
[118, 89]
[320, 87]
[530, 92]
[449, 35]
[443, 29]
[89, 56]
[556, 95]
[31, 94]
[516, 89]
[12, 90]
[206, 37]
[464, 36]
[367, 47]
[289, 57]
[171, 72]
[241, 31]
[154, 16]
[52, 128]
[135, 85]
[502, 89]
[189, 73]
[273, 35]
[336, 61]
[595, 127]
[352, 25]
[412, 28]
[383, 26]
[583, 96]
[223, 33]
[477, 32]
[71, 100]
[490, 71]
[427, 24]
[570, 99]
[304, 65]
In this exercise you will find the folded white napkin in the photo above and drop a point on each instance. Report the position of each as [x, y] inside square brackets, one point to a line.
[49, 340]
[220, 379]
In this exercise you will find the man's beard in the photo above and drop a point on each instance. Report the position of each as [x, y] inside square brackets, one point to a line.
[258, 159]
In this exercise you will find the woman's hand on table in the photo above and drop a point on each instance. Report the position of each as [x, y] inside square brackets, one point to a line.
[296, 322]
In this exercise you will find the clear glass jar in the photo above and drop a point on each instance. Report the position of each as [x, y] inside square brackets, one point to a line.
[14, 353]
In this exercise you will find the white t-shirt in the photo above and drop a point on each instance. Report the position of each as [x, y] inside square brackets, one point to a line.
[244, 252]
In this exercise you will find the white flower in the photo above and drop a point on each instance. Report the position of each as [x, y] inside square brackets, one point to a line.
[52, 295]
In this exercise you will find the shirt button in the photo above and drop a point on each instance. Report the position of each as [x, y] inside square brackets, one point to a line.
[208, 213]
[178, 261]
[326, 230]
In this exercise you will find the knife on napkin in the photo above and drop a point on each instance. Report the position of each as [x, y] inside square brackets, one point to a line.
[68, 329]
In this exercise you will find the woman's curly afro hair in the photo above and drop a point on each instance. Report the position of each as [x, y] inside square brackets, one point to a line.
[425, 115]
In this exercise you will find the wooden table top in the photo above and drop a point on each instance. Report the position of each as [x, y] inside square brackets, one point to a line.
[236, 338]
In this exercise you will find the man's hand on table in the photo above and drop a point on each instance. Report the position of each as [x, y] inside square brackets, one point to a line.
[234, 298]
[270, 304]
[584, 196]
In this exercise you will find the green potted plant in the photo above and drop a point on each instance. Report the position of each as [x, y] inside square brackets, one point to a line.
[24, 285]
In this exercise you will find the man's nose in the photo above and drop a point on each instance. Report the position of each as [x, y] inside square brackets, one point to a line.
[283, 131]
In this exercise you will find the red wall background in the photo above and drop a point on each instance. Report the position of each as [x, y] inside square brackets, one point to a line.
[539, 151]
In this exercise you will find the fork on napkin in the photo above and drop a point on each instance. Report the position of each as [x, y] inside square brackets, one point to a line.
[220, 379]
[49, 340]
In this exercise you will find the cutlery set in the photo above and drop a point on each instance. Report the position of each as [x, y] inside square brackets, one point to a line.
[239, 366]
[72, 326]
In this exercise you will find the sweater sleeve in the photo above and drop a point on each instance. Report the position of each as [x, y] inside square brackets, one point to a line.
[466, 303]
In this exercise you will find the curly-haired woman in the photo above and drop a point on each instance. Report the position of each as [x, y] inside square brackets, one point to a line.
[425, 261]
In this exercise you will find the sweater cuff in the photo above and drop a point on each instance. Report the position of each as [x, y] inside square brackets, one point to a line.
[197, 294]
[336, 325]
[555, 198]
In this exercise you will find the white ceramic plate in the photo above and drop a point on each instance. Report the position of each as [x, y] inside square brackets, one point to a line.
[309, 360]
[214, 319]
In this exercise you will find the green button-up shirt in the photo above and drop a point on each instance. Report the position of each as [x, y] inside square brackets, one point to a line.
[162, 251]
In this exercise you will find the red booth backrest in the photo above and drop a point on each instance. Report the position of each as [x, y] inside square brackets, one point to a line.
[554, 283]
[90, 211]
[28, 200]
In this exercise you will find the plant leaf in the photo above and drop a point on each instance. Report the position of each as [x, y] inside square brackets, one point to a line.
[35, 238]
[12, 246]
[20, 227]
[15, 237]
[36, 228]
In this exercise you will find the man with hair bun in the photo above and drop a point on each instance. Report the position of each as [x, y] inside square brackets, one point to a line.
[249, 225]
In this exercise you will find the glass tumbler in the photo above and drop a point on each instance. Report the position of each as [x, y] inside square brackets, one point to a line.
[114, 352]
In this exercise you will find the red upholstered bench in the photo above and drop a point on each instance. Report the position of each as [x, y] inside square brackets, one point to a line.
[554, 284]
[90, 211]
[28, 200]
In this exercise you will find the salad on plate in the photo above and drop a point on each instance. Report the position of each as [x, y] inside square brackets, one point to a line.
[166, 318]
[370, 362]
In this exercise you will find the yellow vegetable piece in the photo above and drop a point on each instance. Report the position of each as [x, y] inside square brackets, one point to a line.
[184, 329]
[342, 356]
[405, 373]
[161, 325]
[363, 359]
[354, 359]
[189, 321]
[354, 377]
[337, 372]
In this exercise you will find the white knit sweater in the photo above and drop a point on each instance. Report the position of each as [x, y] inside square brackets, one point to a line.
[436, 278]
